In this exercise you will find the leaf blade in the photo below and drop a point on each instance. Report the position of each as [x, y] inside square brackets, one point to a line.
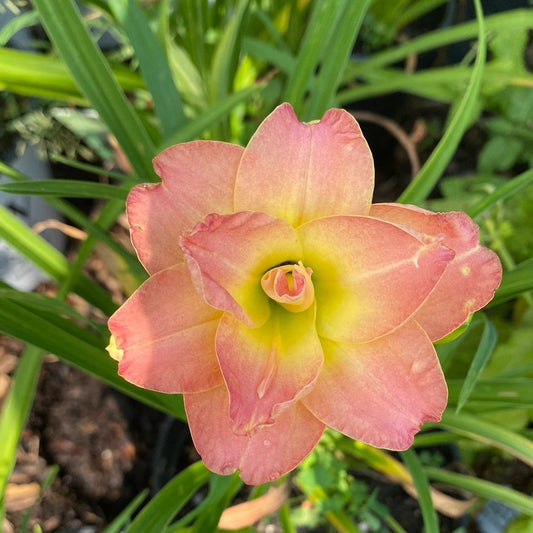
[95, 80]
[421, 483]
[169, 500]
[65, 188]
[153, 65]
[15, 411]
[34, 328]
[480, 360]
[476, 428]
[484, 488]
[432, 170]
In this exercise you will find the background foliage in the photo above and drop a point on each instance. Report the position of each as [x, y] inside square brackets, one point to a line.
[180, 70]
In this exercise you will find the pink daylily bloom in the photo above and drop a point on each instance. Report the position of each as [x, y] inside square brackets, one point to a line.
[280, 301]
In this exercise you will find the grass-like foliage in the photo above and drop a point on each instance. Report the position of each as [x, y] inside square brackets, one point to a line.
[192, 69]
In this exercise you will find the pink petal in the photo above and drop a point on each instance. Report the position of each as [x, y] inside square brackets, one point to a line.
[369, 276]
[300, 172]
[267, 369]
[265, 456]
[198, 179]
[167, 334]
[382, 391]
[229, 254]
[469, 281]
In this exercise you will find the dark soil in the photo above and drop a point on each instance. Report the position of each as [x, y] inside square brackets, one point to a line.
[86, 429]
[103, 443]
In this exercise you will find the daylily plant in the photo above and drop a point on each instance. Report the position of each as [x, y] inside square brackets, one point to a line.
[280, 301]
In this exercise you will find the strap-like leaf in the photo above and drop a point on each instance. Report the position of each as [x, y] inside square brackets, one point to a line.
[486, 489]
[95, 80]
[60, 337]
[478, 429]
[429, 514]
[66, 189]
[481, 358]
[153, 64]
[337, 50]
[432, 170]
[512, 187]
[155, 516]
[15, 410]
[514, 283]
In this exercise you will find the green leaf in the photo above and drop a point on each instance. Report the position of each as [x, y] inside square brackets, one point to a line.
[432, 170]
[285, 519]
[500, 393]
[429, 514]
[184, 71]
[47, 76]
[95, 295]
[514, 283]
[31, 245]
[476, 428]
[222, 489]
[106, 217]
[95, 169]
[48, 259]
[62, 338]
[517, 20]
[481, 358]
[153, 64]
[337, 51]
[15, 411]
[512, 187]
[24, 20]
[212, 116]
[125, 517]
[324, 18]
[269, 53]
[413, 10]
[445, 84]
[46, 305]
[513, 355]
[226, 54]
[186, 76]
[87, 127]
[485, 489]
[157, 514]
[93, 76]
[66, 189]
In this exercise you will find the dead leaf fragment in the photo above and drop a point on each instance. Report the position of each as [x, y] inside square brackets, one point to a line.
[247, 513]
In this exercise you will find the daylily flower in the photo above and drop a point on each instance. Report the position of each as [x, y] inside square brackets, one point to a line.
[280, 301]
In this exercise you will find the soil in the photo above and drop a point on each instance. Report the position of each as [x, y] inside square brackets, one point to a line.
[102, 443]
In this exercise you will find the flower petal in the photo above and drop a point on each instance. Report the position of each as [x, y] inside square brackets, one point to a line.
[267, 369]
[265, 456]
[198, 179]
[382, 391]
[469, 281]
[369, 276]
[228, 255]
[167, 335]
[300, 172]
